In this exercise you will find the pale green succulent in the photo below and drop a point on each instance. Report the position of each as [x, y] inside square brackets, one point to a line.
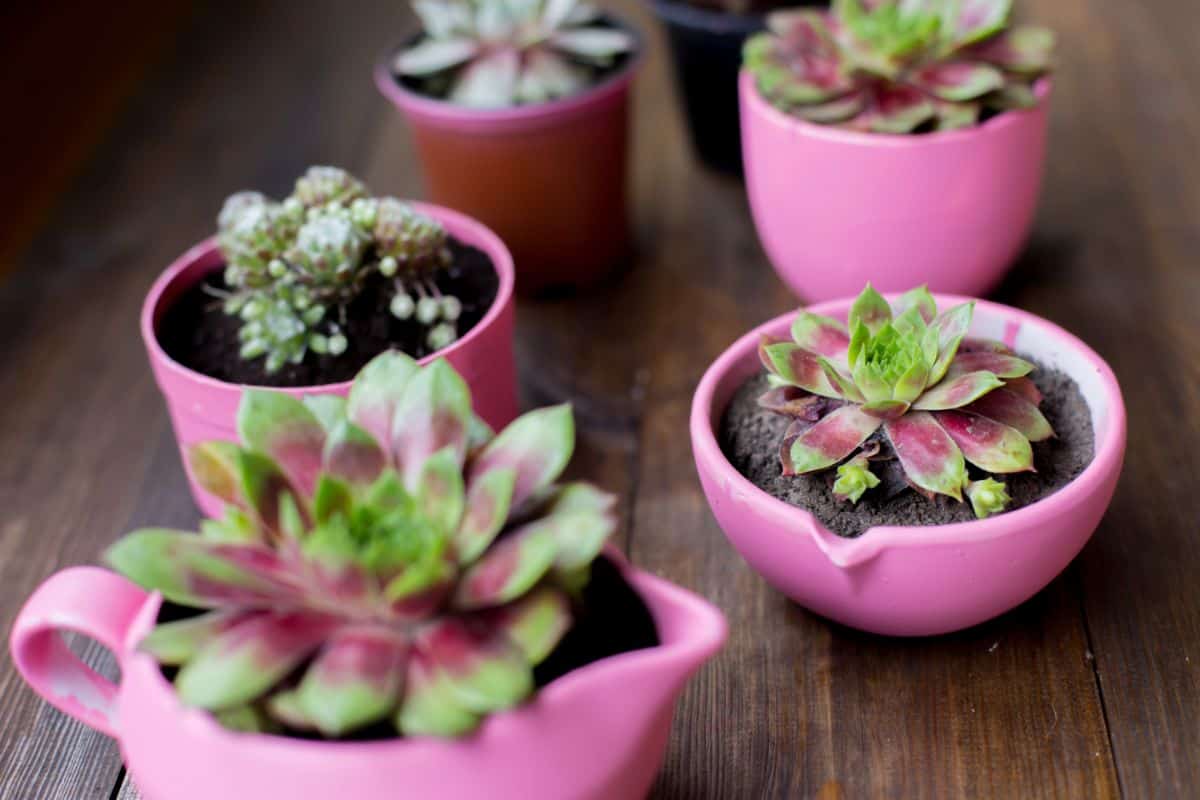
[293, 268]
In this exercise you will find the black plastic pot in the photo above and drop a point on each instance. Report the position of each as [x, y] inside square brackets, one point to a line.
[706, 46]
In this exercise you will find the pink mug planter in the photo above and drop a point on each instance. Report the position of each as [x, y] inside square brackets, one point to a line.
[597, 733]
[204, 408]
[915, 581]
[833, 207]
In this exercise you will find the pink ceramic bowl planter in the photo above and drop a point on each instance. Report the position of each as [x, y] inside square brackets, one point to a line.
[833, 207]
[915, 581]
[597, 733]
[204, 408]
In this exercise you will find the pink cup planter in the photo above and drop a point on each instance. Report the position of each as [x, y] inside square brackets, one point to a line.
[833, 206]
[915, 581]
[597, 733]
[204, 408]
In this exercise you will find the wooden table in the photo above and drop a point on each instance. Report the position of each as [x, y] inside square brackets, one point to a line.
[1091, 689]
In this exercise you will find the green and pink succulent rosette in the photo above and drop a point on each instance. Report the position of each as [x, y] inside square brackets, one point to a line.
[384, 557]
[903, 383]
[897, 66]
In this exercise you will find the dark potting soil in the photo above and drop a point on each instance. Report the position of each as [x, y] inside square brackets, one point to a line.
[196, 331]
[750, 438]
[610, 619]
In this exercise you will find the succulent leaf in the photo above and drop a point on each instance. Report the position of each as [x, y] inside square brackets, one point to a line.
[920, 299]
[377, 389]
[798, 367]
[535, 623]
[508, 569]
[429, 707]
[484, 672]
[957, 391]
[829, 441]
[355, 680]
[930, 458]
[488, 502]
[854, 478]
[871, 310]
[282, 427]
[433, 414]
[537, 446]
[1015, 411]
[987, 497]
[986, 443]
[214, 466]
[248, 659]
[194, 571]
[821, 335]
[999, 364]
[951, 327]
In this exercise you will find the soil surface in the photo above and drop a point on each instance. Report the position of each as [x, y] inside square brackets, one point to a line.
[750, 438]
[610, 619]
[197, 333]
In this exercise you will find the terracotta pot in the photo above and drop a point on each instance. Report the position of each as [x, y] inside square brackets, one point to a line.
[836, 208]
[913, 581]
[549, 178]
[597, 733]
[204, 408]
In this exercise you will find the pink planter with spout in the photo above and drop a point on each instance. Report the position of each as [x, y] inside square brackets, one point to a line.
[597, 733]
[204, 408]
[914, 581]
[836, 208]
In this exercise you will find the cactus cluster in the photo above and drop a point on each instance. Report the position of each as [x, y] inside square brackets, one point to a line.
[899, 66]
[383, 558]
[907, 384]
[293, 267]
[499, 53]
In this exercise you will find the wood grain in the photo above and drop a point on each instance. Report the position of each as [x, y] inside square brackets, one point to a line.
[1088, 690]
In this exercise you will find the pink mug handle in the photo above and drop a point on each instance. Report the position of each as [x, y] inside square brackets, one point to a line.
[87, 600]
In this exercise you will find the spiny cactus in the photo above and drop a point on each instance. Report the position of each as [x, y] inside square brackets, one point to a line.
[497, 53]
[382, 558]
[908, 380]
[896, 66]
[294, 267]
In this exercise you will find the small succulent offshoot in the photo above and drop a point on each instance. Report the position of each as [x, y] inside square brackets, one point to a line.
[293, 267]
[500, 53]
[903, 383]
[382, 558]
[899, 66]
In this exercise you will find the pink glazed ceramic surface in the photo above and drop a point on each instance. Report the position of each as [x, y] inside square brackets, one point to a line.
[597, 733]
[915, 581]
[204, 408]
[834, 207]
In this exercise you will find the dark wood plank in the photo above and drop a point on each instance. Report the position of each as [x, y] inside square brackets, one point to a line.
[1128, 204]
[250, 96]
[67, 71]
[794, 707]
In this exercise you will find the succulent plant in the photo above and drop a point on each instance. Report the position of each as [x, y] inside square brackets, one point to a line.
[899, 66]
[903, 383]
[290, 264]
[384, 557]
[497, 53]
